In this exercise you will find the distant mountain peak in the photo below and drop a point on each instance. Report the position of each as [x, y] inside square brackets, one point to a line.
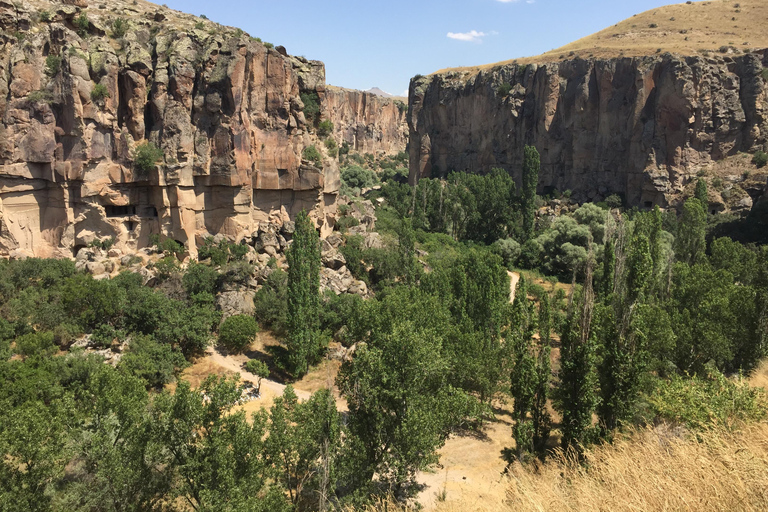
[379, 92]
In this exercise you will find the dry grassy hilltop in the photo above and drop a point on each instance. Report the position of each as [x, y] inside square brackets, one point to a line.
[687, 29]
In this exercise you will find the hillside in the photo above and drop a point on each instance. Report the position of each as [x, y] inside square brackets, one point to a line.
[687, 29]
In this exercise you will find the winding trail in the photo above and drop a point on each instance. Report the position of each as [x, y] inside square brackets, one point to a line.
[514, 277]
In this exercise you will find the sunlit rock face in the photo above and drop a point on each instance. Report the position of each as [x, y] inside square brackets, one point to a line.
[639, 127]
[79, 99]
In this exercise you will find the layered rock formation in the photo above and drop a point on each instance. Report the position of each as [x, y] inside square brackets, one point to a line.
[640, 127]
[84, 88]
[367, 122]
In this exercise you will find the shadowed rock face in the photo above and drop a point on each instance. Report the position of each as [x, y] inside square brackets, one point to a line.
[640, 127]
[225, 110]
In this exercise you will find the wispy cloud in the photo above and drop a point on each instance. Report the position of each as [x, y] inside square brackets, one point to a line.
[473, 36]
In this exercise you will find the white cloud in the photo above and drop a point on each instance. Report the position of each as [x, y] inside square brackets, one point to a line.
[472, 36]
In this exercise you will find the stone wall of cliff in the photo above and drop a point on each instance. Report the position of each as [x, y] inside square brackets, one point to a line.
[78, 97]
[367, 122]
[640, 127]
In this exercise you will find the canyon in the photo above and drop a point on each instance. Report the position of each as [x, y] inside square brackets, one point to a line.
[84, 87]
[639, 127]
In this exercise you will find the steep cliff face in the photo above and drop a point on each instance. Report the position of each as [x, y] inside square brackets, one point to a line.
[367, 122]
[78, 97]
[641, 127]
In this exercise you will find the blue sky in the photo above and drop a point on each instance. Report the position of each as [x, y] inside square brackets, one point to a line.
[368, 44]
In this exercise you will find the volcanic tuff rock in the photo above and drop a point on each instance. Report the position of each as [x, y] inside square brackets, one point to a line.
[78, 97]
[640, 127]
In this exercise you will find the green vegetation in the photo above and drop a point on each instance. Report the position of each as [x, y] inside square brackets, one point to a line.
[504, 89]
[324, 128]
[311, 102]
[119, 28]
[760, 159]
[52, 65]
[146, 157]
[333, 149]
[99, 92]
[531, 167]
[82, 24]
[313, 155]
[305, 342]
[44, 16]
[237, 333]
[40, 96]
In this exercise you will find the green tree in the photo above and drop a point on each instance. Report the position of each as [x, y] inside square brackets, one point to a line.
[237, 332]
[259, 369]
[401, 406]
[701, 192]
[576, 394]
[542, 421]
[524, 371]
[531, 167]
[305, 341]
[691, 232]
[155, 363]
[303, 444]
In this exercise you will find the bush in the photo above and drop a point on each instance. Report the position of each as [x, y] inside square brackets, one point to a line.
[52, 65]
[357, 177]
[35, 343]
[702, 402]
[200, 278]
[311, 102]
[614, 201]
[346, 222]
[99, 92]
[325, 128]
[509, 250]
[259, 369]
[40, 96]
[119, 28]
[237, 333]
[504, 89]
[155, 363]
[104, 335]
[44, 16]
[146, 157]
[330, 145]
[82, 24]
[271, 302]
[312, 154]
[760, 159]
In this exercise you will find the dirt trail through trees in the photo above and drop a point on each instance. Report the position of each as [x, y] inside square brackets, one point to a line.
[514, 277]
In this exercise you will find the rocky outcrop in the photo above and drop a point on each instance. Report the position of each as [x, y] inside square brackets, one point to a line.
[79, 98]
[639, 127]
[367, 122]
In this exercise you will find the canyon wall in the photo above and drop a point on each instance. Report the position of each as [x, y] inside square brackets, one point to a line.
[367, 122]
[85, 89]
[639, 127]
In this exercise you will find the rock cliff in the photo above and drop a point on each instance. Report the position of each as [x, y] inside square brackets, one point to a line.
[641, 127]
[367, 122]
[84, 88]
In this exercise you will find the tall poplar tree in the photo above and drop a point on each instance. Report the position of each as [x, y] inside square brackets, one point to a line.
[305, 343]
[531, 167]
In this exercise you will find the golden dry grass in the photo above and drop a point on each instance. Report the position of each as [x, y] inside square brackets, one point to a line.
[658, 469]
[685, 29]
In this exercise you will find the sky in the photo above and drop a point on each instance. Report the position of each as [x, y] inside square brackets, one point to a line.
[368, 44]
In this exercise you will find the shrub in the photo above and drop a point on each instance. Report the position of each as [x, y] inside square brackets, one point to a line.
[259, 369]
[764, 73]
[99, 92]
[355, 176]
[333, 149]
[155, 363]
[119, 28]
[344, 223]
[344, 149]
[146, 157]
[44, 16]
[200, 278]
[40, 96]
[268, 45]
[706, 401]
[271, 302]
[760, 159]
[504, 89]
[82, 24]
[52, 65]
[509, 250]
[104, 335]
[237, 333]
[311, 103]
[614, 201]
[199, 25]
[312, 154]
[325, 128]
[35, 343]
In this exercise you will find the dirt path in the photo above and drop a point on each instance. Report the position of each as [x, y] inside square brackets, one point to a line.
[514, 277]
